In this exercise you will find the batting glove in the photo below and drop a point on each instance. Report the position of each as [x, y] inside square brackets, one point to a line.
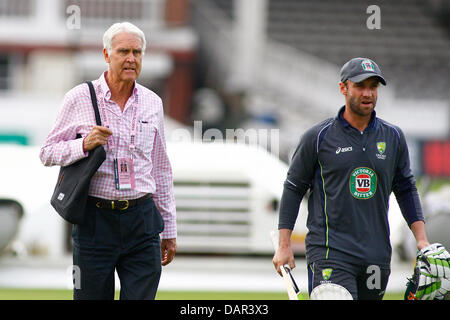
[431, 277]
[436, 260]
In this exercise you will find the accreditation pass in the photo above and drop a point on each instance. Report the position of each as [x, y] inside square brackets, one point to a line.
[124, 174]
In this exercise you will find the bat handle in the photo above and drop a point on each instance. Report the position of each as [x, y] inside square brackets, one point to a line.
[287, 267]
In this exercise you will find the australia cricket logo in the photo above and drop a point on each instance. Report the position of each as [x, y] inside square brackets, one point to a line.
[326, 274]
[381, 147]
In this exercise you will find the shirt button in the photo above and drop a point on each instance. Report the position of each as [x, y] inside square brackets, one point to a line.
[364, 149]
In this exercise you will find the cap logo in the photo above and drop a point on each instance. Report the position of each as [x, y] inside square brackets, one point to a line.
[367, 65]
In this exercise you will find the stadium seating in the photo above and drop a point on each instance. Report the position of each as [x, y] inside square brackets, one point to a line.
[409, 45]
[307, 43]
[412, 49]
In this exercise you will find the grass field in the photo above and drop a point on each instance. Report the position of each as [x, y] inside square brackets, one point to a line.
[60, 294]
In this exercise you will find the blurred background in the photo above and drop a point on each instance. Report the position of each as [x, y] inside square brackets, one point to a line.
[269, 67]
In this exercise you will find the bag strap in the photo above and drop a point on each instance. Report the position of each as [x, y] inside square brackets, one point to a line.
[94, 103]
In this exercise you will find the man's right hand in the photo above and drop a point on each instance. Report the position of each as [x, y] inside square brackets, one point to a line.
[283, 254]
[98, 136]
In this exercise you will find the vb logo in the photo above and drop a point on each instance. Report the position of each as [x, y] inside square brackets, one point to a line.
[363, 183]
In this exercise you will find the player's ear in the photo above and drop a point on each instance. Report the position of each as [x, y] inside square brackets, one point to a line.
[343, 88]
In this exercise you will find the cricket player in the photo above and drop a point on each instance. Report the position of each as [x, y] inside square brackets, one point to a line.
[351, 164]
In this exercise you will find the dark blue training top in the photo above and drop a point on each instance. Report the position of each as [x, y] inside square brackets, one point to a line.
[351, 175]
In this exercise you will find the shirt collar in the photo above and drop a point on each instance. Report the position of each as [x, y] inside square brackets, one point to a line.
[372, 123]
[107, 92]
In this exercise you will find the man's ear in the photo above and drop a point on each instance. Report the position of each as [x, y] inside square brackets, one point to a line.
[343, 88]
[106, 55]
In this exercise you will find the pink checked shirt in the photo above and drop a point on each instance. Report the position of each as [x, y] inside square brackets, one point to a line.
[153, 171]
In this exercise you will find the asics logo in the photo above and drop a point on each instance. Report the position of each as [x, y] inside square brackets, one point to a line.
[346, 149]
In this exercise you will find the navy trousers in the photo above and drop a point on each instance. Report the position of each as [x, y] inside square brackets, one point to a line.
[364, 282]
[126, 241]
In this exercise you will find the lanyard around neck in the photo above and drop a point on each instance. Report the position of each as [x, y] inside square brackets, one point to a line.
[111, 143]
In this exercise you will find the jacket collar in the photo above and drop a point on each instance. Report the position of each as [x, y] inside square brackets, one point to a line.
[346, 125]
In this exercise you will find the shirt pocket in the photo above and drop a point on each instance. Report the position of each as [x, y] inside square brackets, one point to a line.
[146, 135]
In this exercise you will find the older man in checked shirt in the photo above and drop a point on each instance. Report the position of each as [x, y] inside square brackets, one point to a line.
[119, 235]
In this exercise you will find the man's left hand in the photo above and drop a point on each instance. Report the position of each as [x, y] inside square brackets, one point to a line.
[168, 250]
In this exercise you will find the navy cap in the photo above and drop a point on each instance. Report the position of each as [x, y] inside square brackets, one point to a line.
[359, 69]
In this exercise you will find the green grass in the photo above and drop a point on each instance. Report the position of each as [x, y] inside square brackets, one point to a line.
[35, 294]
[59, 294]
[219, 295]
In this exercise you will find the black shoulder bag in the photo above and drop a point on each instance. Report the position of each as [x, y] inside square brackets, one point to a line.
[71, 192]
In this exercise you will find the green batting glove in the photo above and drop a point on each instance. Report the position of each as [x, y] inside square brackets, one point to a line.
[444, 293]
[429, 285]
[436, 260]
[431, 276]
[422, 285]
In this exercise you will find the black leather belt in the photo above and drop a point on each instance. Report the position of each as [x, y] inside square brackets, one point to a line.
[117, 204]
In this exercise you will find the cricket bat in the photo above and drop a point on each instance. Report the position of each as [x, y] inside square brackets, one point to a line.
[291, 286]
